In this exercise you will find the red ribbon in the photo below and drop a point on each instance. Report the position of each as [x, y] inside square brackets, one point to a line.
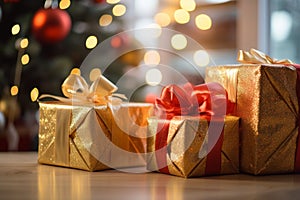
[202, 100]
[213, 158]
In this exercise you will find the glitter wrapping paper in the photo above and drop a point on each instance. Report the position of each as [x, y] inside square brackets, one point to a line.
[186, 138]
[90, 137]
[266, 100]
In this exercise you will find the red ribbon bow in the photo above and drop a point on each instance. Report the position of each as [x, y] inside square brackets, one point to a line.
[205, 99]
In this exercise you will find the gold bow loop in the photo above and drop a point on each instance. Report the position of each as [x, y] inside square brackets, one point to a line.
[258, 57]
[76, 89]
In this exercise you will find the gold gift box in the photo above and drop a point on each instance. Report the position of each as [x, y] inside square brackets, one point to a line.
[186, 137]
[266, 101]
[91, 137]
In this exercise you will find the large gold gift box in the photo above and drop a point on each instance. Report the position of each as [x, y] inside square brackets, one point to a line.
[187, 146]
[266, 101]
[93, 137]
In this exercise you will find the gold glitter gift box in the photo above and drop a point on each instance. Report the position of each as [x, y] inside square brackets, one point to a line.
[266, 101]
[91, 129]
[187, 146]
[89, 138]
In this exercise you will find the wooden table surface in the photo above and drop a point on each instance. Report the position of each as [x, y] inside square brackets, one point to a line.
[22, 178]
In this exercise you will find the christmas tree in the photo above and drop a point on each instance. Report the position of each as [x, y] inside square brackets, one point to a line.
[41, 41]
[50, 59]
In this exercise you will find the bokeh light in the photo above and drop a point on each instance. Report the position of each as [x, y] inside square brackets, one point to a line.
[105, 20]
[188, 5]
[153, 77]
[203, 22]
[64, 4]
[181, 16]
[163, 19]
[281, 25]
[91, 42]
[112, 1]
[25, 59]
[119, 10]
[34, 94]
[24, 43]
[179, 41]
[15, 29]
[154, 29]
[14, 90]
[152, 57]
[94, 74]
[201, 58]
[116, 42]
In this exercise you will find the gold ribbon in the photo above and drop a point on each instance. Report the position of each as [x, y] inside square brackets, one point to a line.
[252, 57]
[76, 89]
[256, 57]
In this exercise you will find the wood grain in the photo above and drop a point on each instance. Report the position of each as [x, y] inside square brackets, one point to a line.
[22, 178]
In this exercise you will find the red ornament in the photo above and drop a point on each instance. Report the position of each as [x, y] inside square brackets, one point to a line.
[51, 25]
[98, 1]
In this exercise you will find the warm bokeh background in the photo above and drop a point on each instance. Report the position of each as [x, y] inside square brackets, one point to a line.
[42, 40]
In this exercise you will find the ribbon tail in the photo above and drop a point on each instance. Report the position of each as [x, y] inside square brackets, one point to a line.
[119, 95]
[161, 146]
[62, 99]
[214, 157]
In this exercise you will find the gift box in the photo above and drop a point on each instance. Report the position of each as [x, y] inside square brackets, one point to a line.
[265, 95]
[186, 146]
[92, 135]
[195, 138]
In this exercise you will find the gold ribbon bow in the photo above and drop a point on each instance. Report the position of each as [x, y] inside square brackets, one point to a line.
[257, 57]
[76, 89]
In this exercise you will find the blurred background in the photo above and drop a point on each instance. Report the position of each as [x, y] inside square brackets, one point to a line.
[41, 41]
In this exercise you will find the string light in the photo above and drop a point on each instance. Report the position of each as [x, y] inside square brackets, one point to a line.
[24, 43]
[15, 29]
[181, 16]
[14, 90]
[152, 58]
[105, 20]
[163, 19]
[91, 42]
[34, 94]
[179, 42]
[64, 4]
[201, 58]
[119, 10]
[153, 77]
[188, 5]
[25, 59]
[203, 22]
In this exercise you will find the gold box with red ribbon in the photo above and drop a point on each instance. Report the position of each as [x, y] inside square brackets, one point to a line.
[92, 130]
[192, 136]
[264, 91]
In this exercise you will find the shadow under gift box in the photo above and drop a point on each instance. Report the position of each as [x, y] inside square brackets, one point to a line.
[266, 101]
[93, 137]
[187, 137]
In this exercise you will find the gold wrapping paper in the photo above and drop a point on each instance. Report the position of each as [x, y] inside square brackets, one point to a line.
[266, 101]
[184, 159]
[82, 137]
